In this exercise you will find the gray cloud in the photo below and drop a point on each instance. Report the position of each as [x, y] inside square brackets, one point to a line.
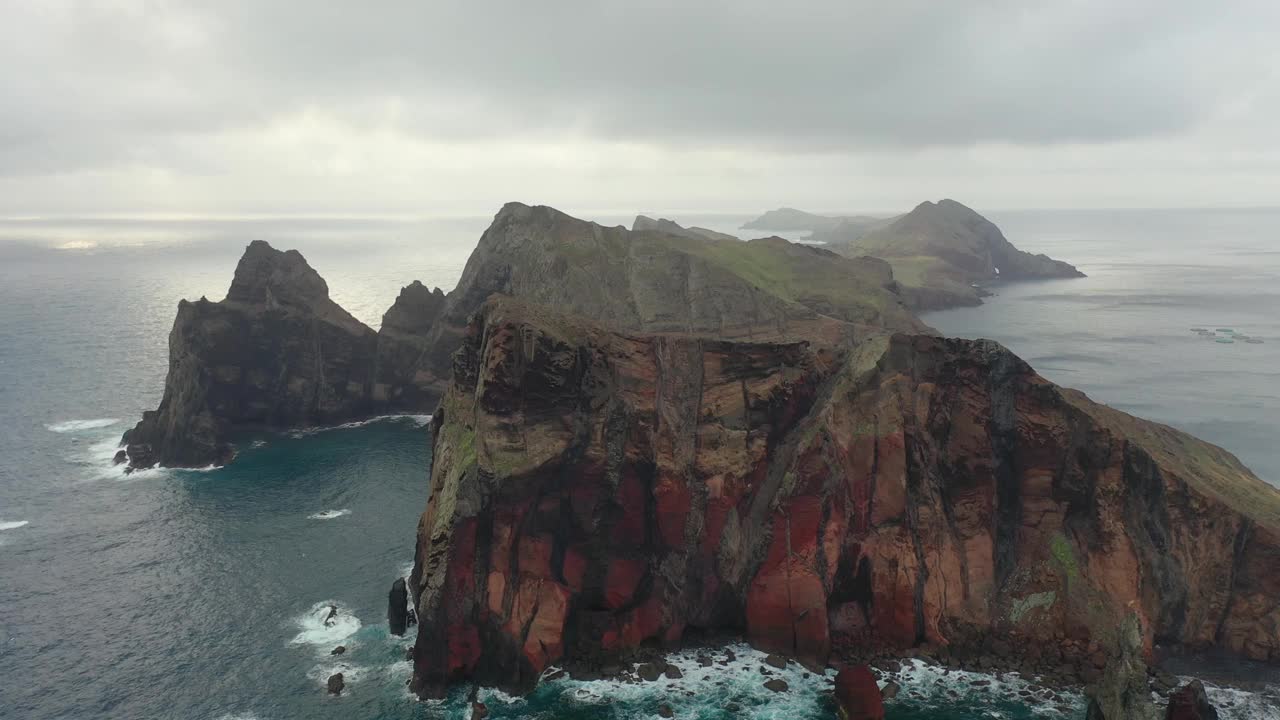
[200, 88]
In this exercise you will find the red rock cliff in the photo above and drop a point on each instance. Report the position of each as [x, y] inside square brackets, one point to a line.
[593, 491]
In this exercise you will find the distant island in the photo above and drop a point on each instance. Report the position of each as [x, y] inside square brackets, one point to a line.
[943, 254]
[648, 435]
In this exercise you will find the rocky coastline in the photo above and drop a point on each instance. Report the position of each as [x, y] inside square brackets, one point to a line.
[595, 492]
[658, 438]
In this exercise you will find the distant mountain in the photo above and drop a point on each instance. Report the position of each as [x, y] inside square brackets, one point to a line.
[940, 251]
[791, 220]
[646, 223]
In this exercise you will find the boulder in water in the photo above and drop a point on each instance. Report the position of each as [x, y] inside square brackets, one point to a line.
[398, 607]
[122, 457]
[339, 650]
[1190, 702]
[857, 695]
[332, 618]
[776, 685]
[335, 684]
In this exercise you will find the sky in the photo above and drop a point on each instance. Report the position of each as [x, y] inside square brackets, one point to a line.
[420, 108]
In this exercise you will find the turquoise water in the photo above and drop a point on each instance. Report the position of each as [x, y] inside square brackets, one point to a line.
[199, 594]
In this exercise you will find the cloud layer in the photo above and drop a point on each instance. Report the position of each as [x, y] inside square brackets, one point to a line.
[292, 106]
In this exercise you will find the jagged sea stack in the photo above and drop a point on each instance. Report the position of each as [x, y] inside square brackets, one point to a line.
[278, 352]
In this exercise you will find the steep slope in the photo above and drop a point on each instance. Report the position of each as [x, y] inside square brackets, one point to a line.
[940, 250]
[278, 352]
[594, 491]
[656, 281]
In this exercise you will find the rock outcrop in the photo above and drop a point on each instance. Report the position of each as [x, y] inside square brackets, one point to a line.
[1123, 692]
[398, 607]
[939, 251]
[277, 352]
[592, 492]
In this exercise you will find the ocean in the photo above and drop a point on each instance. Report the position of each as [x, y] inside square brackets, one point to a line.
[200, 594]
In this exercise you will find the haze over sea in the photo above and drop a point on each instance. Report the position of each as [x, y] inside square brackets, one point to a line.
[198, 594]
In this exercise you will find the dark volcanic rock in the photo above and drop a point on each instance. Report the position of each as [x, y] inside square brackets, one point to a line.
[398, 607]
[857, 695]
[776, 685]
[277, 352]
[1189, 702]
[335, 684]
[594, 492]
[338, 650]
[121, 457]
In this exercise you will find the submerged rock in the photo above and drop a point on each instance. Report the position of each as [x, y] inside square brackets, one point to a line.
[776, 685]
[398, 607]
[338, 650]
[331, 618]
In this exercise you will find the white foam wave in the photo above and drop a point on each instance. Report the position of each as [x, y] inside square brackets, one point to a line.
[314, 631]
[1233, 704]
[13, 524]
[70, 426]
[707, 690]
[329, 514]
[934, 687]
[350, 673]
[417, 420]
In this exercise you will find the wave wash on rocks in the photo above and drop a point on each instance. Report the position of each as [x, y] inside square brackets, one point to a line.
[592, 492]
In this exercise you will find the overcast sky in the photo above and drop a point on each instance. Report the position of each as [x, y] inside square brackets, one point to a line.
[420, 108]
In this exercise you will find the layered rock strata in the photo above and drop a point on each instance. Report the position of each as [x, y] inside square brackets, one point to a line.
[593, 492]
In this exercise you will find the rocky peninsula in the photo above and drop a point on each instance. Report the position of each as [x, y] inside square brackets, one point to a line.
[647, 436]
[943, 254]
[594, 492]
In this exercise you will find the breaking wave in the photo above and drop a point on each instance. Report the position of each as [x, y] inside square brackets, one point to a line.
[329, 514]
[70, 426]
[312, 629]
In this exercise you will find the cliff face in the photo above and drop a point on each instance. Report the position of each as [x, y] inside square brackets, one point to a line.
[593, 491]
[278, 352]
